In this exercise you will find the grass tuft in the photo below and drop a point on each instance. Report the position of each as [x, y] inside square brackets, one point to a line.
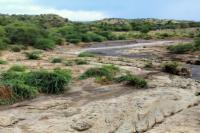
[19, 85]
[86, 54]
[107, 71]
[132, 80]
[57, 60]
[35, 55]
[2, 62]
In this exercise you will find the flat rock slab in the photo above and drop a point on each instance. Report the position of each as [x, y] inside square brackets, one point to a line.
[187, 121]
[138, 111]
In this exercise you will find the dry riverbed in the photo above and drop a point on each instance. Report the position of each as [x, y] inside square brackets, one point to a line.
[170, 104]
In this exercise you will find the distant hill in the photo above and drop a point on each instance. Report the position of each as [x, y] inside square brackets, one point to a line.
[46, 30]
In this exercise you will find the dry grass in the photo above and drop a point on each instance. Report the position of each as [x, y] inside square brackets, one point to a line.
[5, 93]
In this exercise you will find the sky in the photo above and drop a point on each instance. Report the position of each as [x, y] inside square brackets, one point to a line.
[88, 10]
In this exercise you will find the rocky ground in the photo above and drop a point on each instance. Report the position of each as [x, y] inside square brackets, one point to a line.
[171, 104]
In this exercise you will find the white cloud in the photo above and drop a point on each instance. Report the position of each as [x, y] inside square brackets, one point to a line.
[24, 7]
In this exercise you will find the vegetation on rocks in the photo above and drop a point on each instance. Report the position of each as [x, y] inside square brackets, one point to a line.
[132, 80]
[49, 82]
[19, 83]
[2, 62]
[176, 69]
[86, 54]
[16, 48]
[57, 60]
[181, 48]
[35, 55]
[186, 47]
[18, 68]
[107, 71]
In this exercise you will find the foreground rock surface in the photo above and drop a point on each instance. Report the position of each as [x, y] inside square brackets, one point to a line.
[160, 108]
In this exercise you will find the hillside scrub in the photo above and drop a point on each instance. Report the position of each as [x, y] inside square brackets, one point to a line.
[21, 84]
[47, 31]
[44, 44]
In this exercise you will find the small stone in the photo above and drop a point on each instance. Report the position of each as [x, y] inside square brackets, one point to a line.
[81, 126]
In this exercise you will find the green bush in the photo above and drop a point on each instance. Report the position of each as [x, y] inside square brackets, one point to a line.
[21, 91]
[16, 49]
[107, 71]
[57, 60]
[15, 82]
[170, 67]
[2, 62]
[18, 68]
[92, 37]
[181, 48]
[149, 65]
[197, 43]
[44, 44]
[3, 45]
[80, 62]
[86, 54]
[69, 63]
[75, 41]
[49, 82]
[23, 33]
[35, 55]
[26, 84]
[176, 69]
[132, 80]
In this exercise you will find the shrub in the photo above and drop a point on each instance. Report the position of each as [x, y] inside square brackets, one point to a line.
[197, 43]
[122, 37]
[20, 85]
[3, 45]
[80, 62]
[16, 49]
[107, 71]
[49, 82]
[44, 44]
[170, 67]
[2, 62]
[176, 69]
[15, 83]
[57, 60]
[133, 80]
[68, 63]
[197, 62]
[149, 65]
[35, 55]
[86, 54]
[96, 38]
[21, 91]
[75, 41]
[18, 68]
[23, 33]
[181, 48]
